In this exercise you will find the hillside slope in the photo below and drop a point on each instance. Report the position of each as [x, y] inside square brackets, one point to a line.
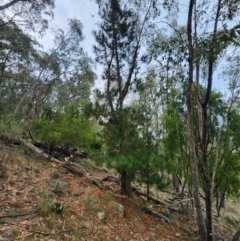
[42, 200]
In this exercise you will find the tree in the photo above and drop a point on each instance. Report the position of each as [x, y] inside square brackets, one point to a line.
[64, 130]
[65, 66]
[197, 47]
[27, 14]
[118, 47]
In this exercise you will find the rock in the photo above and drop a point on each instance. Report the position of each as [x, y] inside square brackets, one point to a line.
[28, 168]
[152, 237]
[31, 216]
[120, 208]
[6, 220]
[117, 238]
[57, 186]
[9, 235]
[11, 182]
[232, 219]
[102, 216]
[54, 173]
[19, 193]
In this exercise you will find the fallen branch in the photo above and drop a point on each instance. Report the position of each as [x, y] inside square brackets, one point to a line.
[156, 201]
[48, 234]
[40, 152]
[149, 197]
[107, 178]
[71, 166]
[149, 210]
[183, 200]
[18, 214]
[79, 170]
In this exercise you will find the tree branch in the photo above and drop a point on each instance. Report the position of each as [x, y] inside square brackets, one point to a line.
[7, 5]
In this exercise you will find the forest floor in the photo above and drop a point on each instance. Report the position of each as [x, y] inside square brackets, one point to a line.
[33, 191]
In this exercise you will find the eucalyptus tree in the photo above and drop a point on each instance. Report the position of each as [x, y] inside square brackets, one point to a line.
[61, 76]
[121, 32]
[205, 47]
[17, 55]
[30, 15]
[151, 102]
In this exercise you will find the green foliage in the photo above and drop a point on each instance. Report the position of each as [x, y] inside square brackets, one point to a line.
[47, 205]
[107, 197]
[90, 204]
[227, 176]
[10, 128]
[65, 129]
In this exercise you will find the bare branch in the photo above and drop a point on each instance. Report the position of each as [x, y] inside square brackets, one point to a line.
[7, 5]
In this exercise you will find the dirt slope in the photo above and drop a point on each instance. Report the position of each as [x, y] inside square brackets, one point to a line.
[33, 192]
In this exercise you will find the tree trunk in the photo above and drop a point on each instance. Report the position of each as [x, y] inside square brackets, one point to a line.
[123, 182]
[194, 169]
[175, 182]
[126, 187]
[209, 218]
[129, 188]
[190, 130]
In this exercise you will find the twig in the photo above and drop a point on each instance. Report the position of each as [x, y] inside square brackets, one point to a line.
[18, 214]
[47, 234]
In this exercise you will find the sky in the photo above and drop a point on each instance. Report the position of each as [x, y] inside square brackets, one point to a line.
[86, 12]
[83, 10]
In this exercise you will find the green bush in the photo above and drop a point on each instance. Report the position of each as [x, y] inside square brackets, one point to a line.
[65, 129]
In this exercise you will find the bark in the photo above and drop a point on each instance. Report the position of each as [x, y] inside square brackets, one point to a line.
[129, 188]
[175, 182]
[79, 170]
[193, 158]
[123, 182]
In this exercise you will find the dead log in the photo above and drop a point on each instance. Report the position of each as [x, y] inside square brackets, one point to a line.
[150, 210]
[73, 167]
[139, 193]
[79, 170]
[110, 178]
[40, 152]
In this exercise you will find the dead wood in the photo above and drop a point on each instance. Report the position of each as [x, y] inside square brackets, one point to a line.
[181, 201]
[79, 170]
[18, 214]
[139, 193]
[48, 234]
[149, 210]
[110, 178]
[73, 167]
[40, 152]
